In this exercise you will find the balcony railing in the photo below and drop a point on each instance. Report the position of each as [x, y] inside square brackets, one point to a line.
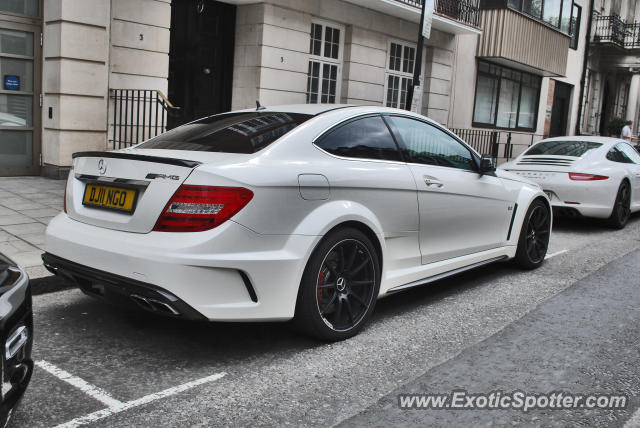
[464, 11]
[613, 30]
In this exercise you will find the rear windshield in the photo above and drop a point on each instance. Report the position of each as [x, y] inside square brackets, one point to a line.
[563, 148]
[228, 133]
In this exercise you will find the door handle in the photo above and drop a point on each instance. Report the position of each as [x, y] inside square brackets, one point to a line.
[432, 181]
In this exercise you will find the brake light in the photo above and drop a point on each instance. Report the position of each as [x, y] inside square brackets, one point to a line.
[198, 208]
[586, 177]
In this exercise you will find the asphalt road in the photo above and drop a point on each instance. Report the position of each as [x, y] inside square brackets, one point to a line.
[559, 327]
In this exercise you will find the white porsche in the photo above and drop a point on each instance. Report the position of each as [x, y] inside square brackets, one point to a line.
[309, 212]
[585, 175]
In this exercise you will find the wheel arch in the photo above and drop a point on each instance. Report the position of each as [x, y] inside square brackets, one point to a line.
[355, 224]
[527, 197]
[368, 232]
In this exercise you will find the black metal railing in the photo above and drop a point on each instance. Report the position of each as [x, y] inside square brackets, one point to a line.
[503, 145]
[465, 11]
[483, 141]
[138, 114]
[612, 29]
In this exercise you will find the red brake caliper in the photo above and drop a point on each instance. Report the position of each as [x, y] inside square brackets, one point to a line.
[321, 277]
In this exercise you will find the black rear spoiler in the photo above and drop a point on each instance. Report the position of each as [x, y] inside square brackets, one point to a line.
[142, 158]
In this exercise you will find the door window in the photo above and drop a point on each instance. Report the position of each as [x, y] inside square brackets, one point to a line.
[366, 138]
[425, 144]
[16, 96]
[22, 7]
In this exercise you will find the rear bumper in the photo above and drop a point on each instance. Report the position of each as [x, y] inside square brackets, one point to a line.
[120, 290]
[229, 273]
[588, 198]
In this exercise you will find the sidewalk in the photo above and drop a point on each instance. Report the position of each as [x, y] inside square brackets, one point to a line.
[27, 204]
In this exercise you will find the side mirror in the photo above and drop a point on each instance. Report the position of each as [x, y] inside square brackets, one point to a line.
[486, 164]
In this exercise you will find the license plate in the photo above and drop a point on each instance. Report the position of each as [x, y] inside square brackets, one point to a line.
[110, 198]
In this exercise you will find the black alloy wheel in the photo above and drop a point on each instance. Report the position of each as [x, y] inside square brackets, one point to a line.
[534, 236]
[621, 207]
[340, 286]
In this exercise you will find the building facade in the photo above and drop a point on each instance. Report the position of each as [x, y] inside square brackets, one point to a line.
[104, 74]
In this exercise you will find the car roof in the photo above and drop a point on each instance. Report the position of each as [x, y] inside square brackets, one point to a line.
[318, 109]
[312, 109]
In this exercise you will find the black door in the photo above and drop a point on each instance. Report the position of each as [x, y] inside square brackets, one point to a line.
[200, 58]
[560, 110]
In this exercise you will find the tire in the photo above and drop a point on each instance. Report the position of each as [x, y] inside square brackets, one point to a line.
[339, 287]
[534, 236]
[621, 207]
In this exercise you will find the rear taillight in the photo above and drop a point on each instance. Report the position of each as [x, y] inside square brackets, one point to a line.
[198, 208]
[65, 198]
[586, 177]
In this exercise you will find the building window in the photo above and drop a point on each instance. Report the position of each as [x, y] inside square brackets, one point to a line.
[325, 63]
[506, 98]
[576, 15]
[556, 13]
[399, 74]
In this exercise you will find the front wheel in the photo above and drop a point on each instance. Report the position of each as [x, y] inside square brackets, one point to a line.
[621, 207]
[339, 287]
[534, 236]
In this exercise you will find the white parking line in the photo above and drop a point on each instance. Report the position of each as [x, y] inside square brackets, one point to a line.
[557, 253]
[93, 391]
[112, 410]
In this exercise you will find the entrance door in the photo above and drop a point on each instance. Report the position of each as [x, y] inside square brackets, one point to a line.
[200, 58]
[560, 110]
[19, 99]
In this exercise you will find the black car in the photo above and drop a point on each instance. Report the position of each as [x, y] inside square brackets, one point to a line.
[16, 336]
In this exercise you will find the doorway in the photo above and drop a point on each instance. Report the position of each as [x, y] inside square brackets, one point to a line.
[200, 58]
[20, 77]
[560, 109]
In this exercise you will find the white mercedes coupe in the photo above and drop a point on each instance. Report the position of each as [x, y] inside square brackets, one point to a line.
[310, 212]
[588, 176]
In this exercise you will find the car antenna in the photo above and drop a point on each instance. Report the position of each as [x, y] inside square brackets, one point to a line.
[259, 107]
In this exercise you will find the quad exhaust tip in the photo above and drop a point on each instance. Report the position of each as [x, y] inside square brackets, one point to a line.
[153, 305]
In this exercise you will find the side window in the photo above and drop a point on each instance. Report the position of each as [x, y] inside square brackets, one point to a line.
[367, 138]
[617, 155]
[629, 153]
[424, 143]
[612, 154]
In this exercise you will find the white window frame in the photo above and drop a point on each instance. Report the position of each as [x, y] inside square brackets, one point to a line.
[325, 60]
[389, 72]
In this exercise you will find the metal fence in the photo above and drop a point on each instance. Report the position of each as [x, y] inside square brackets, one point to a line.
[138, 114]
[500, 145]
[612, 29]
[483, 141]
[465, 11]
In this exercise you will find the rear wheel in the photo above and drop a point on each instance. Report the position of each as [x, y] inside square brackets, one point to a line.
[621, 207]
[339, 287]
[534, 236]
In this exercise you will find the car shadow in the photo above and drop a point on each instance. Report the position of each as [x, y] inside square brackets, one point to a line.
[585, 224]
[88, 322]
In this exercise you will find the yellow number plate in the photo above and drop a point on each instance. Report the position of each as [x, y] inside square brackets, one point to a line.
[110, 198]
